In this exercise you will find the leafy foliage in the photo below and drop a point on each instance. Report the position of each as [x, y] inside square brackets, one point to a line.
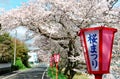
[5, 48]
[19, 64]
[22, 52]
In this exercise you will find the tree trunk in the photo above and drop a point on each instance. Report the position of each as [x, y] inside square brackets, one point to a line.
[69, 69]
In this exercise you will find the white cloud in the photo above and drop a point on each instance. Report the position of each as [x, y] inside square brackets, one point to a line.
[19, 33]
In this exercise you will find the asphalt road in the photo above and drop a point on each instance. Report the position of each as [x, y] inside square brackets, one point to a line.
[33, 73]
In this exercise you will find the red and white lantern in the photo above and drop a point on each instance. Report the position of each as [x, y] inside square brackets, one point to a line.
[56, 58]
[51, 61]
[97, 43]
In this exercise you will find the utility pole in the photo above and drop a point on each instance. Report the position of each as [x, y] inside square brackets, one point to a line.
[15, 47]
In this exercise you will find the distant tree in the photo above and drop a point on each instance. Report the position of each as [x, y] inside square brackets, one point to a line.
[7, 49]
[21, 51]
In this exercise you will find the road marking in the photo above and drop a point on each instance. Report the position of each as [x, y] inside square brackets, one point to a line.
[10, 76]
[44, 73]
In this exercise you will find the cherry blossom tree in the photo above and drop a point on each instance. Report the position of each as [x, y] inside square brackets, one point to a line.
[65, 17]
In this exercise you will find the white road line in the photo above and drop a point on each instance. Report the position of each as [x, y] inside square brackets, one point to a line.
[44, 73]
[9, 76]
[12, 74]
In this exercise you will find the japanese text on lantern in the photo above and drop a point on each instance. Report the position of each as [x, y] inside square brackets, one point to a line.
[92, 39]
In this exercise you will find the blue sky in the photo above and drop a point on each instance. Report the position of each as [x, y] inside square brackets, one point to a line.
[118, 3]
[21, 35]
[10, 4]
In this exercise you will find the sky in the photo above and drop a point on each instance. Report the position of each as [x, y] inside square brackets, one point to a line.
[118, 3]
[19, 33]
[11, 4]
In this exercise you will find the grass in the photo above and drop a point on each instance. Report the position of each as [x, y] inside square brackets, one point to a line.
[52, 74]
[80, 76]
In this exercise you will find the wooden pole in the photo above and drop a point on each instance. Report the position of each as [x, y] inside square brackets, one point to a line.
[56, 70]
[98, 76]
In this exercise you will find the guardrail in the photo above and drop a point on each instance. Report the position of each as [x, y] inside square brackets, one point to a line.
[5, 66]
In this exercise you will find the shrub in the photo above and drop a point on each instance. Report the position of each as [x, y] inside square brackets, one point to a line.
[14, 67]
[19, 64]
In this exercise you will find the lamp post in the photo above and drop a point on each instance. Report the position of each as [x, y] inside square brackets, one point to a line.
[56, 59]
[15, 48]
[97, 43]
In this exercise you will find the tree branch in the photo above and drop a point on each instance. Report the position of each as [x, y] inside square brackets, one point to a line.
[42, 32]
